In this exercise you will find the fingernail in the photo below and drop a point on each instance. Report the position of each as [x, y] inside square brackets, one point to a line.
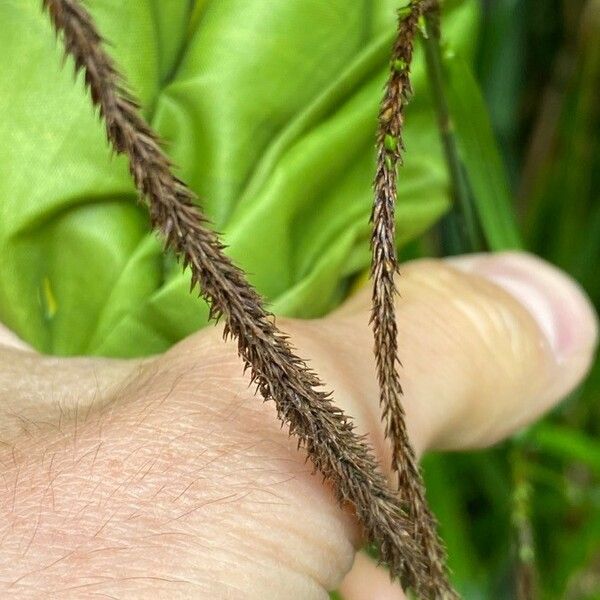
[558, 304]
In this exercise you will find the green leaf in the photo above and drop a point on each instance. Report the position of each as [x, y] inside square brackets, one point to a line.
[567, 444]
[440, 472]
[269, 112]
[480, 155]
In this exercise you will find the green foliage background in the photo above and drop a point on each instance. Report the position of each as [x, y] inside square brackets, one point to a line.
[269, 110]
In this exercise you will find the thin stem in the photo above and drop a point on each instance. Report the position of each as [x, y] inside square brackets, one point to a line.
[526, 575]
[465, 217]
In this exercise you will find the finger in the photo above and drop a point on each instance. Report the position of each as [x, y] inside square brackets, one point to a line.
[367, 580]
[487, 343]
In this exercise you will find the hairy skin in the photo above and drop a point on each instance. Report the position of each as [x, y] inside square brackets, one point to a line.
[165, 478]
[179, 463]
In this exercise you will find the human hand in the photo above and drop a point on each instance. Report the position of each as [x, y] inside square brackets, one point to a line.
[167, 477]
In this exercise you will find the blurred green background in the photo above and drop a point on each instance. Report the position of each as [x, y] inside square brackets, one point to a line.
[269, 111]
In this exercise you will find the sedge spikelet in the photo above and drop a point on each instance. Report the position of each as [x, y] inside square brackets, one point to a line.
[384, 267]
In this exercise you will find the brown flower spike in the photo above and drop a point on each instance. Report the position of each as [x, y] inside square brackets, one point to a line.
[384, 267]
[321, 428]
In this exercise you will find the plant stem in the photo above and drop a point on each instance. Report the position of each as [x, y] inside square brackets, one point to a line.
[526, 575]
[463, 225]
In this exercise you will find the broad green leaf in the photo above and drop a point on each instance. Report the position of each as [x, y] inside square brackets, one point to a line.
[268, 109]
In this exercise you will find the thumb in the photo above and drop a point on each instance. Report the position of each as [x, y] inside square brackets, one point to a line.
[487, 343]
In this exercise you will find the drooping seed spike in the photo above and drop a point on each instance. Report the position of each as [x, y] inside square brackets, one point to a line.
[384, 266]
